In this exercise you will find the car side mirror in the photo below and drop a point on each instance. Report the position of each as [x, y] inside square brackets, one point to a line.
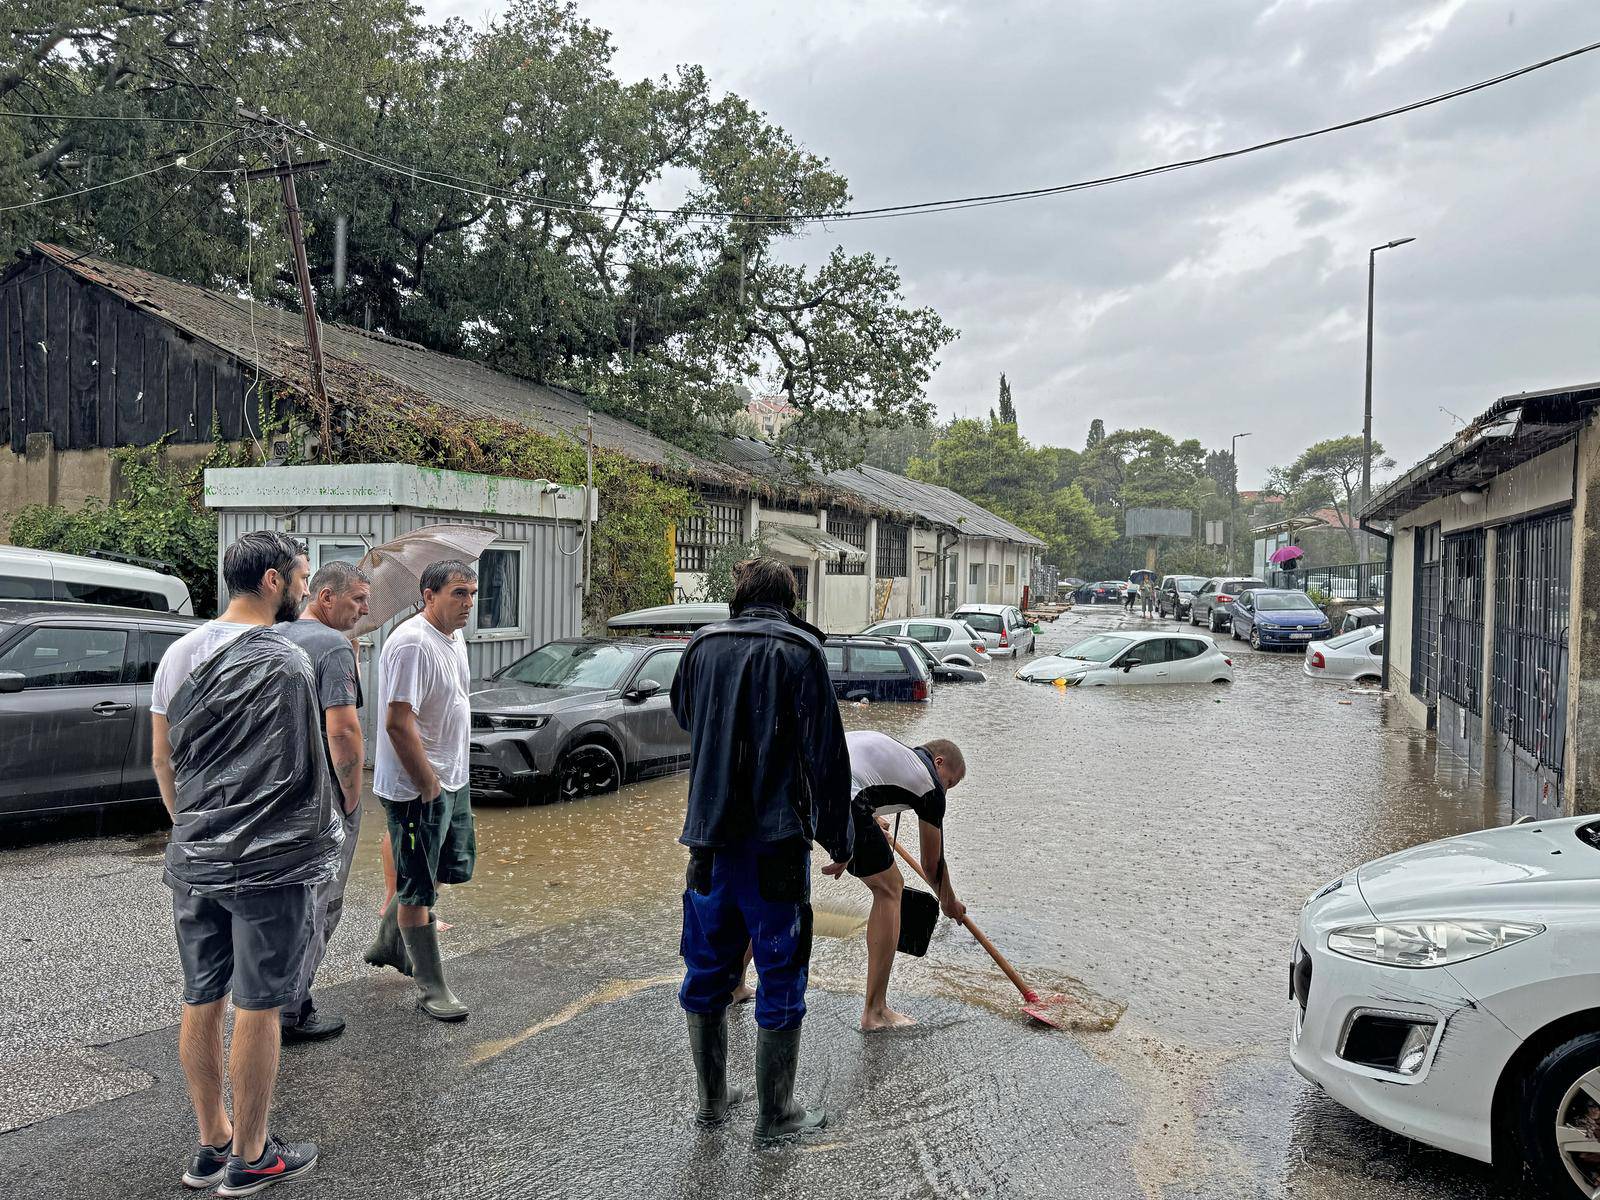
[645, 690]
[12, 681]
[1129, 664]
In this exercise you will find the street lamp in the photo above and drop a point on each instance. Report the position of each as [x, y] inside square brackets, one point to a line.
[1366, 421]
[1233, 506]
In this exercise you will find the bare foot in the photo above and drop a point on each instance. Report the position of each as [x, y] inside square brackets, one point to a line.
[742, 994]
[884, 1018]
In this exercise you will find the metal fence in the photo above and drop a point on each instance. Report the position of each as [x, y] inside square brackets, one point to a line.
[1532, 605]
[1425, 613]
[1348, 581]
[1461, 621]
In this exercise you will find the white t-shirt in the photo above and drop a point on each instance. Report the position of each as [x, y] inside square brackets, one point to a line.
[888, 777]
[187, 653]
[423, 668]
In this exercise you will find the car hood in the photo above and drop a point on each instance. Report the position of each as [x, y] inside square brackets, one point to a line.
[1053, 666]
[1504, 871]
[1297, 617]
[494, 695]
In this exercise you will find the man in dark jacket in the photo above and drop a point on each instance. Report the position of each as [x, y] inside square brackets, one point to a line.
[768, 775]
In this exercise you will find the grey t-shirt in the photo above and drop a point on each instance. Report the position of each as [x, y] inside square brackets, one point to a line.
[333, 661]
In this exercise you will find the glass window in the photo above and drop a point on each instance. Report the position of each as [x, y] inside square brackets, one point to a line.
[885, 628]
[876, 660]
[923, 585]
[928, 633]
[994, 573]
[1152, 652]
[718, 522]
[52, 657]
[1183, 648]
[892, 542]
[103, 593]
[499, 590]
[835, 657]
[987, 622]
[153, 646]
[854, 531]
[331, 551]
[597, 666]
[1376, 648]
[21, 587]
[1100, 648]
[661, 667]
[974, 574]
[1011, 573]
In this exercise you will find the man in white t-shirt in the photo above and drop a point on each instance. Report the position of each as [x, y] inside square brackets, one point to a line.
[421, 776]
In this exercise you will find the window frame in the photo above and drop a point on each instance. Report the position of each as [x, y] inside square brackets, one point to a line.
[123, 672]
[502, 633]
[719, 523]
[644, 662]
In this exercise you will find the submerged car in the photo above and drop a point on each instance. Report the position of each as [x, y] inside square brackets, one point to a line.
[1005, 631]
[577, 717]
[948, 671]
[864, 667]
[1118, 659]
[1355, 657]
[1271, 617]
[1447, 993]
[947, 640]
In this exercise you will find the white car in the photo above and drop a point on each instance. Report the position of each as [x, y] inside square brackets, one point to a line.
[1124, 659]
[1355, 657]
[1448, 993]
[947, 640]
[103, 579]
[1006, 632]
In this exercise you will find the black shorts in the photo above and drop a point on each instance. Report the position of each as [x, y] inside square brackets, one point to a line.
[248, 943]
[873, 853]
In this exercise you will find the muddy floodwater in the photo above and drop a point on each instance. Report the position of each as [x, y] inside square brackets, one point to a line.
[1142, 851]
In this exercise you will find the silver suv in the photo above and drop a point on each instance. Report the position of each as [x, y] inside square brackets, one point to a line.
[75, 704]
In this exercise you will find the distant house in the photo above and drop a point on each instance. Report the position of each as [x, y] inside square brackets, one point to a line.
[771, 414]
[97, 355]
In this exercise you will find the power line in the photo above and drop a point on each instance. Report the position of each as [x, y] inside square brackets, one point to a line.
[179, 161]
[54, 116]
[491, 191]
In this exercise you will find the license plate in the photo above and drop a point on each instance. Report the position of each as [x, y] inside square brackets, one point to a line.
[1305, 637]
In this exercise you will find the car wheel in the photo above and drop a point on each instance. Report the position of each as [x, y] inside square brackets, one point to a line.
[1255, 637]
[587, 770]
[1559, 1118]
[1233, 631]
[1194, 617]
[958, 660]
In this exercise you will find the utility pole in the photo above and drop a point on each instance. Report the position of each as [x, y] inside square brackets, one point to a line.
[1233, 502]
[1366, 420]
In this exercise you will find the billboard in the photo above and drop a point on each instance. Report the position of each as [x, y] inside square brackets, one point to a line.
[1159, 522]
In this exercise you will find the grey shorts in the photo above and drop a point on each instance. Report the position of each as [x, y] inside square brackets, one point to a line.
[248, 943]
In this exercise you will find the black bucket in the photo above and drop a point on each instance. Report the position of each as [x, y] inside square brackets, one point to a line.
[919, 913]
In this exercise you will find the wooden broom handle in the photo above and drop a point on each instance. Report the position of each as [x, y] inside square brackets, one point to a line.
[1021, 985]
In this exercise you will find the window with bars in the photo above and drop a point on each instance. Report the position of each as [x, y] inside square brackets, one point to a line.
[717, 523]
[1532, 615]
[1461, 620]
[892, 542]
[1425, 614]
[854, 531]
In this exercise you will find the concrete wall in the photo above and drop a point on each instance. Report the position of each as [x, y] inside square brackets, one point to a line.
[45, 475]
[1583, 641]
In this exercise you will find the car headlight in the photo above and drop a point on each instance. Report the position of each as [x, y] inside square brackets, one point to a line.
[1418, 944]
[499, 721]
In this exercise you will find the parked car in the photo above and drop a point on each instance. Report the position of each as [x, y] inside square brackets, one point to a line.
[948, 640]
[1116, 659]
[108, 579]
[1271, 617]
[1448, 993]
[667, 619]
[1210, 603]
[876, 668]
[1354, 657]
[1006, 632]
[1107, 591]
[1361, 618]
[75, 704]
[947, 671]
[1176, 594]
[577, 717]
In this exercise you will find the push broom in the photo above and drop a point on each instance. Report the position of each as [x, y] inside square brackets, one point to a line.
[1052, 1010]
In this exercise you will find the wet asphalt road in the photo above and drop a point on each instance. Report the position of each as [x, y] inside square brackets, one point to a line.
[1139, 847]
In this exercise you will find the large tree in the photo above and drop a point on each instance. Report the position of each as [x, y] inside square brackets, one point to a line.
[1008, 410]
[1328, 475]
[507, 196]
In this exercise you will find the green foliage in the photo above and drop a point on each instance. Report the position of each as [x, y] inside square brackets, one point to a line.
[718, 586]
[158, 513]
[1008, 410]
[633, 553]
[1097, 434]
[1328, 475]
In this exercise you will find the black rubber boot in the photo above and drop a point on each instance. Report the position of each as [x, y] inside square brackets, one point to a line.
[388, 949]
[437, 1000]
[708, 1040]
[777, 1057]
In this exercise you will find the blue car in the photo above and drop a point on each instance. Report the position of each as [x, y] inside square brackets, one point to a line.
[1271, 617]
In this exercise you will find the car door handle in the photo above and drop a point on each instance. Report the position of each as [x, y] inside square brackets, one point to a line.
[106, 707]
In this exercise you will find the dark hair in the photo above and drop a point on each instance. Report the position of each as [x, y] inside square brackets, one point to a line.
[762, 581]
[338, 576]
[245, 563]
[437, 576]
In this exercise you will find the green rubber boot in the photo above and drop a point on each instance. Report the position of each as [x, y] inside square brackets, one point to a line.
[780, 1118]
[388, 949]
[437, 1000]
[708, 1041]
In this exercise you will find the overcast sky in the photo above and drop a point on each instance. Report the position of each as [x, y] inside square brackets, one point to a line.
[1222, 299]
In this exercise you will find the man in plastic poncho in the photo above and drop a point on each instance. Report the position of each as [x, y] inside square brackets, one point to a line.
[236, 748]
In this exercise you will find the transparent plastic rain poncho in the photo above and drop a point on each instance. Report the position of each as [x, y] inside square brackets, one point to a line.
[255, 803]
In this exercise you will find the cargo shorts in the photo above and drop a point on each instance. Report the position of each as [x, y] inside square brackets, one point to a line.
[433, 844]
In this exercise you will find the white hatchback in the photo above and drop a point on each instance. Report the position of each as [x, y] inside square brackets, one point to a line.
[1354, 657]
[1006, 632]
[1131, 659]
[947, 640]
[1448, 993]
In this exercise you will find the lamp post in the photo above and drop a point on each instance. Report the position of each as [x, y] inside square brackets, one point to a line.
[1366, 420]
[1233, 504]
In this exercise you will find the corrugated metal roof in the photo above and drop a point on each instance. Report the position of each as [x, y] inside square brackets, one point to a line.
[369, 367]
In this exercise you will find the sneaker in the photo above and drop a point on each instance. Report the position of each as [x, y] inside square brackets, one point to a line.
[207, 1165]
[311, 1027]
[279, 1161]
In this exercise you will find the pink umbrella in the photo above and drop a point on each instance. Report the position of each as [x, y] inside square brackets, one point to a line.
[1285, 553]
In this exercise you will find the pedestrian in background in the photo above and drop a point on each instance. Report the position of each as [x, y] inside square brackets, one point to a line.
[768, 775]
[421, 776]
[339, 594]
[1147, 593]
[235, 750]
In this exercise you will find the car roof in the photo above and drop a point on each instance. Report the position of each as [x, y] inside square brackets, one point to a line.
[127, 570]
[670, 616]
[983, 608]
[33, 611]
[869, 639]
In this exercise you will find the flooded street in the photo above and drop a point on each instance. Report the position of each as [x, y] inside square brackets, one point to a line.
[1139, 847]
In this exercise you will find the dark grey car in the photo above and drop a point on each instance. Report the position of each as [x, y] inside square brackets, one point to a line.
[75, 704]
[577, 717]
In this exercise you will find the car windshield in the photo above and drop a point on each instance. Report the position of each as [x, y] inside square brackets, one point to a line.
[1103, 647]
[987, 622]
[1189, 583]
[595, 665]
[1283, 601]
